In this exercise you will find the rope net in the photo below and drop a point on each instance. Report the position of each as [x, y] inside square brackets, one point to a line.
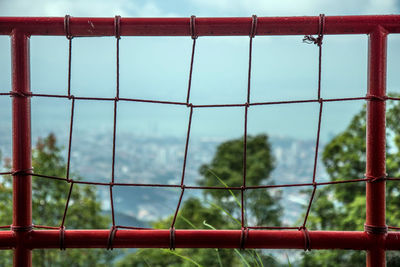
[245, 228]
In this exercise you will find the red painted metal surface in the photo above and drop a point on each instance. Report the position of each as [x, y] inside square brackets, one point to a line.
[374, 240]
[7, 240]
[263, 239]
[376, 145]
[204, 26]
[392, 241]
[21, 127]
[269, 239]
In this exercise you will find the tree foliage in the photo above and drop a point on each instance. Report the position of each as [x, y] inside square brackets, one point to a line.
[220, 209]
[226, 168]
[48, 203]
[342, 206]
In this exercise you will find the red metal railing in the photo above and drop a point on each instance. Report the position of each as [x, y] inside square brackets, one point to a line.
[23, 237]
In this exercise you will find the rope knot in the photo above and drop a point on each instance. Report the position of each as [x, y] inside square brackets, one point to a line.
[172, 238]
[192, 25]
[373, 229]
[243, 237]
[22, 172]
[67, 28]
[20, 94]
[62, 238]
[309, 39]
[307, 240]
[111, 236]
[373, 179]
[117, 27]
[253, 30]
[376, 98]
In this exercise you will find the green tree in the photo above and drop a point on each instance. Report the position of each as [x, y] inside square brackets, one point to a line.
[48, 203]
[342, 206]
[196, 215]
[220, 209]
[226, 168]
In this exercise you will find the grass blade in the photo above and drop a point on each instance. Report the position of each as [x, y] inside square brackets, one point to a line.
[182, 257]
[224, 211]
[209, 225]
[187, 221]
[259, 258]
[242, 258]
[216, 250]
[224, 184]
[287, 256]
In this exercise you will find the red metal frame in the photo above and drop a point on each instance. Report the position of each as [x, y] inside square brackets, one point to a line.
[22, 238]
[21, 122]
[376, 144]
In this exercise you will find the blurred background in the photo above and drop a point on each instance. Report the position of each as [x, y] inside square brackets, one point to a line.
[150, 138]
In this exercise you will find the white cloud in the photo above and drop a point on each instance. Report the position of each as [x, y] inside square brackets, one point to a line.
[97, 8]
[380, 7]
[152, 8]
[296, 8]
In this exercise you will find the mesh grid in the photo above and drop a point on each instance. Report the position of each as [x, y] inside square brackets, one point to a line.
[192, 108]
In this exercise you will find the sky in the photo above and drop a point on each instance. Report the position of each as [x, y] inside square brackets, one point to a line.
[283, 68]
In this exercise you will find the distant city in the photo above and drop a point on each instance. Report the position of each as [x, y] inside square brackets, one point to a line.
[155, 159]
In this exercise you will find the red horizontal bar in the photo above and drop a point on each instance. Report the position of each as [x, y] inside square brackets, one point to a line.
[204, 26]
[266, 239]
[393, 241]
[7, 240]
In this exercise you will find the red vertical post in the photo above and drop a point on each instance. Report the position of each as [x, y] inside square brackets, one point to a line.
[21, 138]
[376, 147]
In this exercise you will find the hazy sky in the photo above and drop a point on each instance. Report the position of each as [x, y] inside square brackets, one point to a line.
[157, 68]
